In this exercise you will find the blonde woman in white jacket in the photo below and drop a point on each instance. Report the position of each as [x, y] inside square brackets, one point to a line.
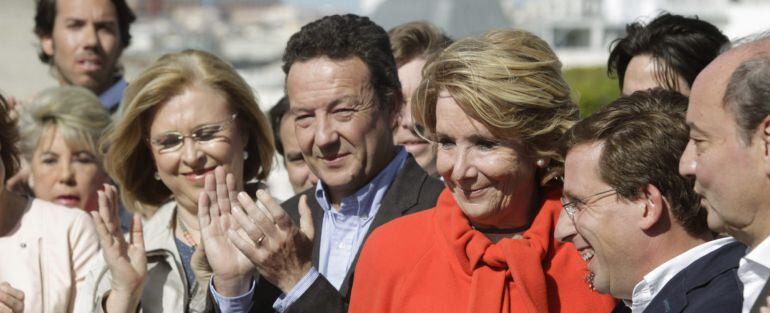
[47, 248]
[184, 116]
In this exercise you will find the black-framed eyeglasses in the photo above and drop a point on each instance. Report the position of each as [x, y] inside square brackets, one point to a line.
[173, 141]
[575, 206]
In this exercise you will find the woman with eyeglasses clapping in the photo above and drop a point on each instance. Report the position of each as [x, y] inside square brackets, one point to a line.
[185, 116]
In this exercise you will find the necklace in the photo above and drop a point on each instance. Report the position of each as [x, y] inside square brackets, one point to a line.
[501, 230]
[186, 233]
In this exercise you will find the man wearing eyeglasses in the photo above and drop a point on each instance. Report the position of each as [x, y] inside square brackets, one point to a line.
[636, 222]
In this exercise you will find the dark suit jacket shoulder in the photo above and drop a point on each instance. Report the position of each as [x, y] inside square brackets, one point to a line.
[710, 284]
[412, 190]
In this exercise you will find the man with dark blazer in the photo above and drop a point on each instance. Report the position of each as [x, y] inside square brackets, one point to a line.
[729, 156]
[638, 224]
[344, 98]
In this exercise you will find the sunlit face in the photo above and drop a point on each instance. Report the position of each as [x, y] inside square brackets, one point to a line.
[85, 43]
[300, 176]
[728, 172]
[640, 75]
[492, 179]
[66, 175]
[423, 151]
[345, 137]
[183, 170]
[603, 229]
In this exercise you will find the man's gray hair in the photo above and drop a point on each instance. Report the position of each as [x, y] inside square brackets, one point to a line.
[748, 95]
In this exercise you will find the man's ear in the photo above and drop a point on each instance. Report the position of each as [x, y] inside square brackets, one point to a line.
[46, 43]
[653, 207]
[765, 140]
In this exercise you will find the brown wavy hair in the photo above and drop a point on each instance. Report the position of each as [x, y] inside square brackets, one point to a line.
[417, 39]
[643, 136]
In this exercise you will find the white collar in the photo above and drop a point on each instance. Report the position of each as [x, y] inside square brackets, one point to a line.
[655, 280]
[760, 254]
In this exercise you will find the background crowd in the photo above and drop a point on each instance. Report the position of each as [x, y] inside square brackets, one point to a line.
[431, 174]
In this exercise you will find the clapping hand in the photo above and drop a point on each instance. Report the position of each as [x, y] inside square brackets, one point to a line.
[126, 260]
[279, 249]
[232, 270]
[11, 299]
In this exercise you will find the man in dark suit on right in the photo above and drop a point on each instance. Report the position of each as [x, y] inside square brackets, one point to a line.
[729, 156]
[638, 224]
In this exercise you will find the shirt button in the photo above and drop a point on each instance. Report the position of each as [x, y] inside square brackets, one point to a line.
[23, 245]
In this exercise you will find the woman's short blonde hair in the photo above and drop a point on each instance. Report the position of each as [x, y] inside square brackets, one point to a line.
[75, 112]
[509, 80]
[129, 159]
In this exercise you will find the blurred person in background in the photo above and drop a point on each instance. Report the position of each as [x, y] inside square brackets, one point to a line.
[412, 44]
[60, 132]
[47, 248]
[300, 176]
[187, 116]
[496, 106]
[667, 52]
[82, 40]
[636, 222]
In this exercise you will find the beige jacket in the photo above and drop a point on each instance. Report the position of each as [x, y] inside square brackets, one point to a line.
[47, 256]
[164, 289]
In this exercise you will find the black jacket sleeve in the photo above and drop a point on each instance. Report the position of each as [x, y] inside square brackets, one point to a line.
[321, 297]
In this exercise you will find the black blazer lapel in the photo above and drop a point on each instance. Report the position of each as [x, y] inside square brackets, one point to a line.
[676, 295]
[318, 222]
[405, 195]
[291, 206]
[402, 194]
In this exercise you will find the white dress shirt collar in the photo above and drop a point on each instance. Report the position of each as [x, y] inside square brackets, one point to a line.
[655, 280]
[754, 271]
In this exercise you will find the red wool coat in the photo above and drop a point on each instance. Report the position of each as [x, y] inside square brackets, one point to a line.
[433, 261]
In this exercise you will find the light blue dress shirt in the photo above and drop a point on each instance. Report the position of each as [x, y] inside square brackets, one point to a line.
[111, 97]
[342, 234]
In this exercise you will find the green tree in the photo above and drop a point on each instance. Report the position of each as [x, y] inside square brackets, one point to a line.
[591, 88]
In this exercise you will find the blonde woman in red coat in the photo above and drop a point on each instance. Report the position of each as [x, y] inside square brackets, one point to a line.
[496, 105]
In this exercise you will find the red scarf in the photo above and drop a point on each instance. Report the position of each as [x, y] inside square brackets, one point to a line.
[506, 276]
